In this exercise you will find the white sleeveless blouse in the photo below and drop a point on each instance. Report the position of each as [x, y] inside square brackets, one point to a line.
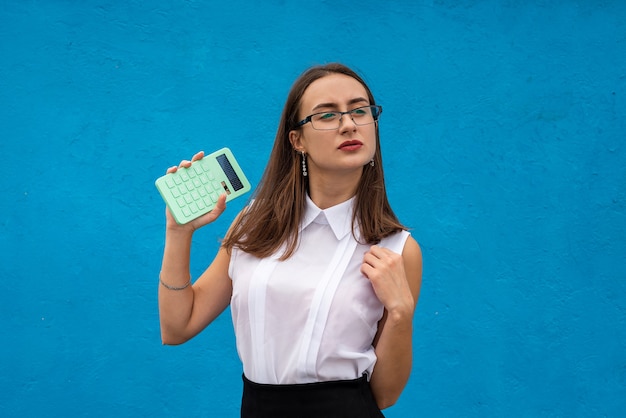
[312, 317]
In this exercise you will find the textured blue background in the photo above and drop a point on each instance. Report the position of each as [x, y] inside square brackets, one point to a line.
[504, 144]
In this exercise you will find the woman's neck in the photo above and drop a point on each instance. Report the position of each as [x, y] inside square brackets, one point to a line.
[327, 190]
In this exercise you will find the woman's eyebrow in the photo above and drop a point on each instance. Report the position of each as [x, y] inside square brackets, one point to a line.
[350, 102]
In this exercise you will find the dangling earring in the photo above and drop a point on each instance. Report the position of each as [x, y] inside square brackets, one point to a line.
[304, 172]
[372, 162]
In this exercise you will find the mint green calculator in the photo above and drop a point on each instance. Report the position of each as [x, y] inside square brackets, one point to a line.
[192, 192]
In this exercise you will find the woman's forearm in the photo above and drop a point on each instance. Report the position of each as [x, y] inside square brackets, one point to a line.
[394, 353]
[175, 306]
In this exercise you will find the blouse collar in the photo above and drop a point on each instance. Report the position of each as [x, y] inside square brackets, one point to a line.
[339, 217]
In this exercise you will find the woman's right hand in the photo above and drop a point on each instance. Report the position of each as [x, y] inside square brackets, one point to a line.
[203, 220]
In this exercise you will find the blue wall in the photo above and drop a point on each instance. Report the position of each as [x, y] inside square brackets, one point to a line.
[503, 134]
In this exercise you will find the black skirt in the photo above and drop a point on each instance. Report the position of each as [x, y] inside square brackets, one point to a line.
[336, 399]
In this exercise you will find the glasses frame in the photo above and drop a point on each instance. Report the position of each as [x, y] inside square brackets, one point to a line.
[379, 110]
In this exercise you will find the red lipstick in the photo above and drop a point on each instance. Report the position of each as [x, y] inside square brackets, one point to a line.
[351, 145]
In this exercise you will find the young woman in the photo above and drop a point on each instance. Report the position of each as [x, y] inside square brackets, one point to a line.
[321, 277]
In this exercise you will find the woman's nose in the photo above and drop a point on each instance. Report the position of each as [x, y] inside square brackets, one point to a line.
[346, 123]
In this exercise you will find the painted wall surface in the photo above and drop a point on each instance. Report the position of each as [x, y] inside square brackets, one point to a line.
[504, 142]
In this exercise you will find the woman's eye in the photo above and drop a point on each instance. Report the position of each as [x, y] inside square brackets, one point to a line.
[359, 112]
[327, 116]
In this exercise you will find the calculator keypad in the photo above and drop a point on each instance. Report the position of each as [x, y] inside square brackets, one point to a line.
[194, 188]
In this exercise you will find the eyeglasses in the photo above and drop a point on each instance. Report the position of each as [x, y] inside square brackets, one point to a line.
[328, 121]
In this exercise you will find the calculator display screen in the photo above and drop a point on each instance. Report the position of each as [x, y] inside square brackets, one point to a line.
[230, 172]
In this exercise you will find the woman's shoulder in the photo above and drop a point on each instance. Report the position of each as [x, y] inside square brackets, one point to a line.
[396, 241]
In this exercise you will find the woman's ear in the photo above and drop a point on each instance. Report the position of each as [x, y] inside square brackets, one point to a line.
[296, 141]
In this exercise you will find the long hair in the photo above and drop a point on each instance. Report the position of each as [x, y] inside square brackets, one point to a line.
[279, 200]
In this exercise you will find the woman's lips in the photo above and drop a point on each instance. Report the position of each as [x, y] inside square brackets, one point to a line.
[350, 145]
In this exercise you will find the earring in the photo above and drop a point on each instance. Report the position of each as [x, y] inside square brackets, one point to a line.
[304, 172]
[372, 162]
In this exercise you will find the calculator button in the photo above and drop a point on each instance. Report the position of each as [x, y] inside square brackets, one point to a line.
[175, 192]
[216, 185]
[177, 179]
[181, 202]
[188, 198]
[184, 176]
[186, 211]
[170, 183]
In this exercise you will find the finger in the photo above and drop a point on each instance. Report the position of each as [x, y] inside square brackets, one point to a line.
[185, 164]
[215, 213]
[198, 156]
[374, 255]
[369, 259]
[220, 206]
[367, 270]
[172, 169]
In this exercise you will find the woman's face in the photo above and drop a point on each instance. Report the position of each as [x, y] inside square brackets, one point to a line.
[345, 149]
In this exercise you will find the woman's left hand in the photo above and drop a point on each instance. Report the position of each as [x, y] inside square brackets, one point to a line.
[385, 271]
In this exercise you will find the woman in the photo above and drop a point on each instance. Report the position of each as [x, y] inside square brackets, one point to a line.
[321, 277]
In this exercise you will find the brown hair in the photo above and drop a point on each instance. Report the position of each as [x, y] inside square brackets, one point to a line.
[274, 217]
